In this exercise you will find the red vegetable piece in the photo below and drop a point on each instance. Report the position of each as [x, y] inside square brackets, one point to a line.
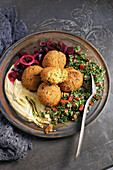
[74, 104]
[81, 107]
[55, 119]
[49, 43]
[91, 103]
[54, 109]
[36, 55]
[70, 98]
[98, 98]
[84, 85]
[75, 60]
[88, 59]
[75, 115]
[77, 98]
[66, 110]
[64, 101]
[36, 62]
[80, 52]
[21, 53]
[98, 84]
[16, 63]
[48, 110]
[70, 50]
[46, 50]
[24, 62]
[42, 43]
[60, 44]
[82, 66]
[64, 48]
[12, 76]
[50, 47]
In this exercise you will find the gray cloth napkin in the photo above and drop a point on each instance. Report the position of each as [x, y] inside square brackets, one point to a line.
[13, 142]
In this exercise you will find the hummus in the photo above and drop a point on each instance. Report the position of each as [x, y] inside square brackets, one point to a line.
[16, 94]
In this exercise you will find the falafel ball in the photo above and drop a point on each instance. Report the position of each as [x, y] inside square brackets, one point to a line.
[54, 59]
[54, 75]
[49, 95]
[31, 77]
[74, 80]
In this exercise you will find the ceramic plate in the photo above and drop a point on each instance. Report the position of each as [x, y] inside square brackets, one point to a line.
[27, 44]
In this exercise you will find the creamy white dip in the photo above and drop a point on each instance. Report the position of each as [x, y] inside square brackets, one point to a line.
[16, 94]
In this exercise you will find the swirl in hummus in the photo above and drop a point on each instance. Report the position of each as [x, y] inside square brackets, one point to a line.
[25, 102]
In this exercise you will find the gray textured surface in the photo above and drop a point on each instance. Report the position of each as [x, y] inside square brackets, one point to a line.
[92, 21]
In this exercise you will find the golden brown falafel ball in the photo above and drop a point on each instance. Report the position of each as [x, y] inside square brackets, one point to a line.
[54, 59]
[31, 77]
[74, 80]
[53, 75]
[49, 95]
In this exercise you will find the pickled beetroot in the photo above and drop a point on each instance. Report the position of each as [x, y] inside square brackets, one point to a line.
[36, 56]
[21, 53]
[50, 47]
[12, 76]
[21, 66]
[48, 43]
[36, 62]
[46, 50]
[64, 48]
[70, 50]
[60, 44]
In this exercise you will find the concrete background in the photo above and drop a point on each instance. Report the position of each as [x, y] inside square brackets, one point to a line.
[94, 22]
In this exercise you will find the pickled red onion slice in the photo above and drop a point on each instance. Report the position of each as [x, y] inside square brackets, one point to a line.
[27, 56]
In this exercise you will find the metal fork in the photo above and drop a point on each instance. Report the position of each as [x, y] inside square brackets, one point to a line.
[84, 117]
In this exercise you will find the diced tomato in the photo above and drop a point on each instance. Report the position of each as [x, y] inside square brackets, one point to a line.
[75, 60]
[84, 85]
[66, 110]
[74, 104]
[94, 95]
[48, 110]
[54, 109]
[98, 98]
[75, 115]
[81, 107]
[80, 52]
[88, 59]
[64, 101]
[98, 84]
[91, 103]
[77, 98]
[82, 66]
[55, 119]
[70, 98]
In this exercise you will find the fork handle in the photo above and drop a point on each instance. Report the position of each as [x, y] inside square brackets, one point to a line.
[83, 127]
